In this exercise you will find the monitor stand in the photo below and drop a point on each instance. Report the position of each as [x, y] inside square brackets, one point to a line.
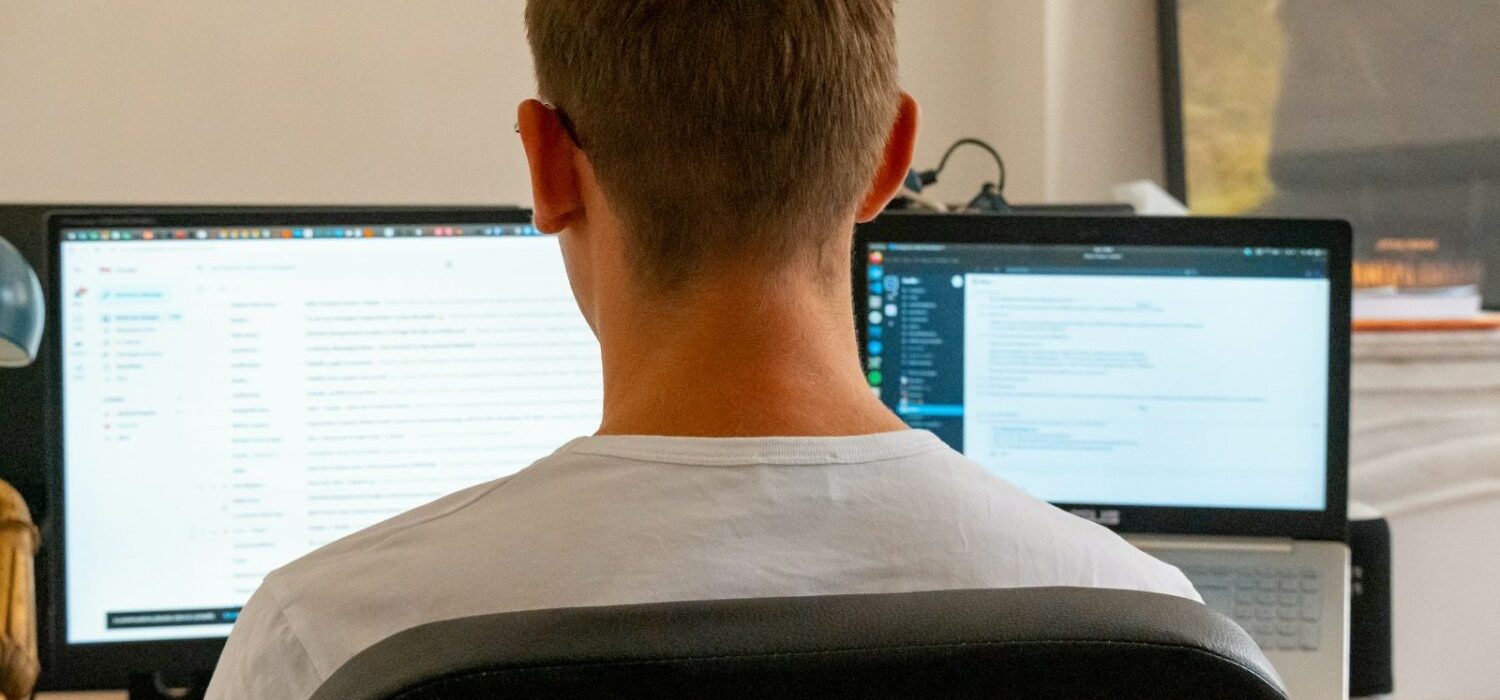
[153, 686]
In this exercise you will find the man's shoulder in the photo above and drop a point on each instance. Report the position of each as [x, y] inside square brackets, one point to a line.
[321, 604]
[1067, 549]
[1113, 562]
[341, 552]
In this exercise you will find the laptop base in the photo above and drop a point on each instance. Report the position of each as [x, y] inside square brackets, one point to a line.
[1249, 579]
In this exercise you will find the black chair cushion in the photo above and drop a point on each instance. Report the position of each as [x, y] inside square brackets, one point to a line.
[1072, 643]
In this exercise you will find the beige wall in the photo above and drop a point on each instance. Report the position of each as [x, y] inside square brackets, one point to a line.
[391, 101]
[1104, 99]
[268, 101]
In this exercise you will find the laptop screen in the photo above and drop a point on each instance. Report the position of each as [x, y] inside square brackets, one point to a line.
[1193, 377]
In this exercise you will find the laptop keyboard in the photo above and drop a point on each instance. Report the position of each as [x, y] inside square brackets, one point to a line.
[1278, 607]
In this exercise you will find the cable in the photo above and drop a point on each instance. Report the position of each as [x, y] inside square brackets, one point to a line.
[931, 176]
[991, 196]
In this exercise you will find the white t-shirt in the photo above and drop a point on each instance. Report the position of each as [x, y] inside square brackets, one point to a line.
[623, 519]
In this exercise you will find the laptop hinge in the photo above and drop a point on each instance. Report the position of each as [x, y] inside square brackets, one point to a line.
[1216, 544]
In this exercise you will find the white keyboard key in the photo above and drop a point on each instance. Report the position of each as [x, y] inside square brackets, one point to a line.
[1310, 607]
[1307, 636]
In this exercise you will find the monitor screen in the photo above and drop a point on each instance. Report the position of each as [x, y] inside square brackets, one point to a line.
[1194, 377]
[233, 398]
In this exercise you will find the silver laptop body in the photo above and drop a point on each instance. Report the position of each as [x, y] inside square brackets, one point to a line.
[1291, 595]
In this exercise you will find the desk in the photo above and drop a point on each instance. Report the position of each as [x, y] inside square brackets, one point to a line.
[1425, 428]
[1425, 450]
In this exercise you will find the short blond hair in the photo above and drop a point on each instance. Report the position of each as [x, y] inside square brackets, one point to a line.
[722, 127]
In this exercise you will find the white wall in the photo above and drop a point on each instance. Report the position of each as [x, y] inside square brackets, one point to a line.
[1104, 99]
[270, 101]
[948, 64]
[391, 101]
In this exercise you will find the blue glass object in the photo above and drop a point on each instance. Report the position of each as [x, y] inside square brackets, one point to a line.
[22, 309]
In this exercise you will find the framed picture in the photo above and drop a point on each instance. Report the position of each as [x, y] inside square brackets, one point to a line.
[1382, 112]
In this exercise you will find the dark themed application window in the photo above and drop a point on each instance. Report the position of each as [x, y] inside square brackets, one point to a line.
[1133, 375]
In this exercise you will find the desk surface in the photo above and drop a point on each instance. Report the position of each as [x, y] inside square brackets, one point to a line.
[1425, 450]
[1425, 419]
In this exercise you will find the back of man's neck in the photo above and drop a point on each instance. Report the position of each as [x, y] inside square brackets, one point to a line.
[746, 360]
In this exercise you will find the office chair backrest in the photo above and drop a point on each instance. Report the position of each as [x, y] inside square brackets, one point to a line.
[1069, 643]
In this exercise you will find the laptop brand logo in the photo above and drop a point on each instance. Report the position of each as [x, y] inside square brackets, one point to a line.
[1107, 517]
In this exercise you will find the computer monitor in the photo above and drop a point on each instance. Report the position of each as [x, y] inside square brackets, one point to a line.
[1182, 375]
[234, 388]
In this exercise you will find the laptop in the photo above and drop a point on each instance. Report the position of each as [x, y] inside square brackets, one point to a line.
[1182, 381]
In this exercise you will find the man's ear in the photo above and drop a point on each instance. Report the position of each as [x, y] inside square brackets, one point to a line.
[899, 147]
[550, 154]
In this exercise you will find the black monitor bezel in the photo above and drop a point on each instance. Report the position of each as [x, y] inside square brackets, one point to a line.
[1169, 61]
[1335, 236]
[108, 665]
